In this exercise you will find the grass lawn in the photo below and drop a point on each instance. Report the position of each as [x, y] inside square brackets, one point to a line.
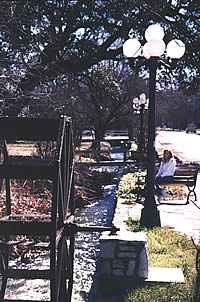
[166, 248]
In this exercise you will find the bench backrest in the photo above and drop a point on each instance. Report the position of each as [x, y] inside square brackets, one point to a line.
[186, 171]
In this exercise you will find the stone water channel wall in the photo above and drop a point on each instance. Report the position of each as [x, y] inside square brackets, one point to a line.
[123, 256]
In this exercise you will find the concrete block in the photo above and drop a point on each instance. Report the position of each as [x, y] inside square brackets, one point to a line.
[127, 248]
[118, 264]
[107, 249]
[128, 255]
[143, 264]
[131, 268]
[105, 267]
[118, 272]
[123, 236]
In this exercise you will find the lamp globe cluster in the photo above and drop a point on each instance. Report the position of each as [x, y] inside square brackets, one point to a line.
[155, 46]
[142, 100]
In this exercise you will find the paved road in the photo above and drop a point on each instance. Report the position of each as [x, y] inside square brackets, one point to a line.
[186, 146]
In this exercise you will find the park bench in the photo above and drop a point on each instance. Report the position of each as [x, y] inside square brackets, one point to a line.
[185, 175]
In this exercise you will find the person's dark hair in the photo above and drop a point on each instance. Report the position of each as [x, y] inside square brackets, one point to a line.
[170, 154]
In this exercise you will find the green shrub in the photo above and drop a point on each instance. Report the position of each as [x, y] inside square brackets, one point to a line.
[128, 188]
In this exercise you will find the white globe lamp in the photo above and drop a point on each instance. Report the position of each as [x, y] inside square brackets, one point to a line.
[154, 32]
[132, 48]
[135, 101]
[154, 48]
[175, 49]
[143, 98]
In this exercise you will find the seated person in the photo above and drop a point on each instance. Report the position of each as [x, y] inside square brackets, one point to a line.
[165, 173]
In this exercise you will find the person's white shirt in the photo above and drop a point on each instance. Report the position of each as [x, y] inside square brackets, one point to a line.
[167, 169]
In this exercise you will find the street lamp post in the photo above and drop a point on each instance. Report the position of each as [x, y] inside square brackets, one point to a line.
[141, 104]
[152, 50]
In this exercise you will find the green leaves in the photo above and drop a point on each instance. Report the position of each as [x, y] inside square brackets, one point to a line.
[129, 186]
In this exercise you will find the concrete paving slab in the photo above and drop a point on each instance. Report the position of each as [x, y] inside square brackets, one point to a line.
[165, 275]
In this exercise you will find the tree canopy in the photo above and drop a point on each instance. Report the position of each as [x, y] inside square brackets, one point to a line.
[41, 39]
[102, 99]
